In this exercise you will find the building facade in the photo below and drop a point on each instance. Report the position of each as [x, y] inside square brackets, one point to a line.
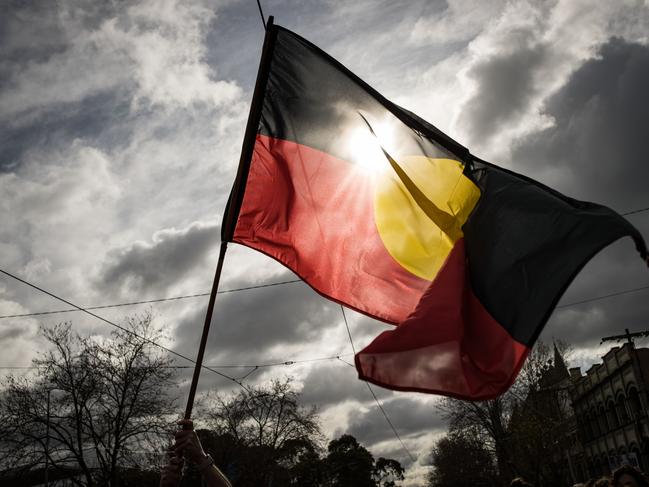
[611, 410]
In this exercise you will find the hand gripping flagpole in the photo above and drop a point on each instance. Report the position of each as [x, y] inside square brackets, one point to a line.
[236, 197]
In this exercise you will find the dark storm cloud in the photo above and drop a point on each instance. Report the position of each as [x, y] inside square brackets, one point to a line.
[408, 415]
[101, 119]
[248, 326]
[597, 150]
[336, 382]
[505, 86]
[33, 31]
[142, 268]
[29, 31]
[599, 136]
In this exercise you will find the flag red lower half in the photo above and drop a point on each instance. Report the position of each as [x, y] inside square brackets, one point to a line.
[449, 344]
[312, 212]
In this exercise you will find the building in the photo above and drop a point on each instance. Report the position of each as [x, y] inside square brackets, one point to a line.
[611, 409]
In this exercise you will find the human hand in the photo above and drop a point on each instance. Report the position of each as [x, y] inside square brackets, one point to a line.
[171, 474]
[187, 442]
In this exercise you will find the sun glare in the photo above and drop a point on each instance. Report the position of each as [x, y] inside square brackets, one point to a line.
[365, 146]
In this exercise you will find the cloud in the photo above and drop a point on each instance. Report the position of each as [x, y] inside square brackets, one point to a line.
[156, 47]
[122, 129]
[96, 154]
[451, 23]
[502, 77]
[103, 118]
[333, 383]
[526, 54]
[272, 324]
[597, 138]
[143, 267]
[406, 413]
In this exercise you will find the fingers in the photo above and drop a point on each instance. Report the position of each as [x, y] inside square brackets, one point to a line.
[185, 438]
[186, 424]
[176, 461]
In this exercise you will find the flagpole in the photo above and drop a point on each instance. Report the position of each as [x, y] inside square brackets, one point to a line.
[236, 197]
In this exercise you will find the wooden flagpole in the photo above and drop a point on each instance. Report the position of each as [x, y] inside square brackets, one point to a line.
[236, 197]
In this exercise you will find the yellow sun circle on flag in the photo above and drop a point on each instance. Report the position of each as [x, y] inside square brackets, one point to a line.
[420, 220]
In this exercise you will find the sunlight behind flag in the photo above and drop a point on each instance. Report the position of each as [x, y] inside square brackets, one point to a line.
[367, 147]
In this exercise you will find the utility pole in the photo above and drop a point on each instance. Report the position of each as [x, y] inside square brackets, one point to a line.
[629, 337]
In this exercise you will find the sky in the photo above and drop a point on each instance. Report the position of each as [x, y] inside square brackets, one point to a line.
[120, 130]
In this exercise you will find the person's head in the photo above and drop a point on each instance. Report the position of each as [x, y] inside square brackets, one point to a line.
[603, 482]
[519, 482]
[627, 476]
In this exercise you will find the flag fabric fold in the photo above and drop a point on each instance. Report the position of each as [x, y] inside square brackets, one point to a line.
[380, 211]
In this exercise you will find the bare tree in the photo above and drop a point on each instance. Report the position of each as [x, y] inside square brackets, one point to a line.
[265, 416]
[274, 436]
[93, 405]
[518, 427]
[486, 422]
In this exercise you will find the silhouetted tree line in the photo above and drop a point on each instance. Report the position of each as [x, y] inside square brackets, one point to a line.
[267, 427]
[100, 412]
[516, 434]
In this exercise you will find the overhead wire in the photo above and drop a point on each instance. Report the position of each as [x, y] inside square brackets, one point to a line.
[222, 366]
[260, 286]
[149, 301]
[261, 12]
[255, 367]
[175, 298]
[633, 212]
[376, 399]
[197, 295]
[130, 332]
[598, 298]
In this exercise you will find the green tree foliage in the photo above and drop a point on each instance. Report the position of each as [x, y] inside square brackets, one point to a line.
[92, 406]
[462, 460]
[387, 472]
[349, 463]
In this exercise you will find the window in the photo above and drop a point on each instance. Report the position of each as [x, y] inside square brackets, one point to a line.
[611, 415]
[601, 418]
[634, 402]
[620, 406]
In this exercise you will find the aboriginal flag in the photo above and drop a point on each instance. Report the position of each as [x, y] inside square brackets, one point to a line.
[377, 209]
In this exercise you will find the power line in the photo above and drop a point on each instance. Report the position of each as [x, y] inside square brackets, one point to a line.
[628, 291]
[148, 340]
[175, 298]
[216, 366]
[261, 12]
[376, 399]
[149, 301]
[633, 212]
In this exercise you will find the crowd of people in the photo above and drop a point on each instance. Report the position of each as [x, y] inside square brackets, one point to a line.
[625, 476]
